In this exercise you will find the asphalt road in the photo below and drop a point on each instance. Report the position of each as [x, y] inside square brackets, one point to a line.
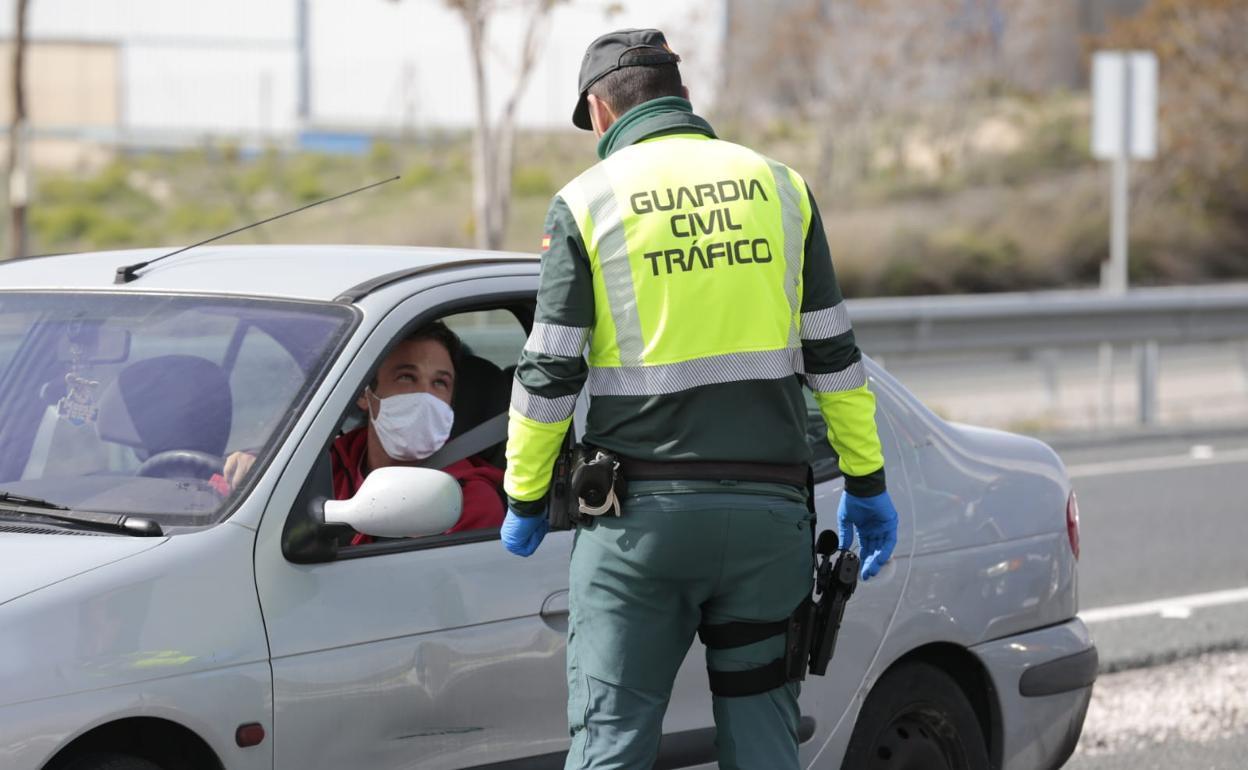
[1164, 588]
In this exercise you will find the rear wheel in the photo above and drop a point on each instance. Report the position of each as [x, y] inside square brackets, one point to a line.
[916, 718]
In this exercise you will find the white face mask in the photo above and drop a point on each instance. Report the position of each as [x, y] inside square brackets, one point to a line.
[411, 426]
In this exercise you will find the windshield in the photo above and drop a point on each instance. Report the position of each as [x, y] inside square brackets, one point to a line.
[128, 403]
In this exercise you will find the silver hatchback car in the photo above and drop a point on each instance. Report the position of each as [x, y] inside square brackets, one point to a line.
[154, 617]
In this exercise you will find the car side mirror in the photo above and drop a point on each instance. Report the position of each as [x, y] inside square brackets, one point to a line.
[399, 501]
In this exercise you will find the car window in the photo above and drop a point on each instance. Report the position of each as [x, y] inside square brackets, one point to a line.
[13, 327]
[128, 402]
[271, 377]
[494, 335]
[491, 342]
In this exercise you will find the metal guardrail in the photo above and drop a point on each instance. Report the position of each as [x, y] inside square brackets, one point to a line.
[1057, 319]
[1143, 318]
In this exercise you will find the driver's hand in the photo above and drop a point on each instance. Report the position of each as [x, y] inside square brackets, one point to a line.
[237, 466]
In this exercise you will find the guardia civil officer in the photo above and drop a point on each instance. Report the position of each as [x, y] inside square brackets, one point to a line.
[698, 274]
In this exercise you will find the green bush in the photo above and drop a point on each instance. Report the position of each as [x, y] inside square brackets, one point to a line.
[256, 178]
[56, 189]
[58, 226]
[230, 152]
[111, 184]
[109, 187]
[419, 174]
[305, 176]
[381, 155]
[71, 224]
[955, 260]
[194, 217]
[532, 182]
[981, 262]
[304, 185]
[1085, 245]
[457, 164]
[111, 232]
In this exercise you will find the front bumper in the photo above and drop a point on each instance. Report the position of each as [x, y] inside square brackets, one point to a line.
[1043, 681]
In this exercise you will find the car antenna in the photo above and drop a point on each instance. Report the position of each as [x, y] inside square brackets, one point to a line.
[127, 273]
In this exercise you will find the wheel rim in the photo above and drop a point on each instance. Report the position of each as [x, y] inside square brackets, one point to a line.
[920, 738]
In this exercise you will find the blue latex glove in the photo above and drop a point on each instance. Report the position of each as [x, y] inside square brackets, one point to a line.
[875, 518]
[523, 534]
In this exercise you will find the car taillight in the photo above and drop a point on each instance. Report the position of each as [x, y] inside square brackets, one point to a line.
[1072, 523]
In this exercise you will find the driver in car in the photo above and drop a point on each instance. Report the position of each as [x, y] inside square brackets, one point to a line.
[409, 407]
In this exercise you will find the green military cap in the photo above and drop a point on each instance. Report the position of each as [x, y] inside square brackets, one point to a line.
[616, 50]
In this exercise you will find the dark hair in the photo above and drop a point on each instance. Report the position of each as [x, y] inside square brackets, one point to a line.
[438, 332]
[628, 87]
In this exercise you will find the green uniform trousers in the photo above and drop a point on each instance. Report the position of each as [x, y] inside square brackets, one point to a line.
[683, 554]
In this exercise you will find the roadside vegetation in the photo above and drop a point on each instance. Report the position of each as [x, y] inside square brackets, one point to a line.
[991, 191]
[1013, 204]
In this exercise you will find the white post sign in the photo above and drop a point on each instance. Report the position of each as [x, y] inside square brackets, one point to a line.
[1124, 126]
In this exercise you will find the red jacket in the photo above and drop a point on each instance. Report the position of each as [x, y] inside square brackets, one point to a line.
[479, 480]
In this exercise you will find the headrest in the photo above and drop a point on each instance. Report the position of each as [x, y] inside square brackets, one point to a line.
[481, 391]
[168, 402]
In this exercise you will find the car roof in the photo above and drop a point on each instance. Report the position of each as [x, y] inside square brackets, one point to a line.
[318, 272]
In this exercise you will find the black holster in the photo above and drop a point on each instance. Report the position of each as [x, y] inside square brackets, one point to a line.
[585, 479]
[836, 577]
[562, 505]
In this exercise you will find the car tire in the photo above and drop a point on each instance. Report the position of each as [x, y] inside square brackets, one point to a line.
[916, 718]
[109, 762]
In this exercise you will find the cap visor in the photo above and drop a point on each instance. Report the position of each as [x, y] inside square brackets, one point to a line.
[580, 116]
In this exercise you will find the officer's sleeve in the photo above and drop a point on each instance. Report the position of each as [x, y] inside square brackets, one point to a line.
[834, 368]
[551, 369]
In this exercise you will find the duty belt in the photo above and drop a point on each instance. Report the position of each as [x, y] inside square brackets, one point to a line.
[645, 470]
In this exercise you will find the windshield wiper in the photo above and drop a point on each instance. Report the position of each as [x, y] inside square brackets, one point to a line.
[105, 522]
[30, 502]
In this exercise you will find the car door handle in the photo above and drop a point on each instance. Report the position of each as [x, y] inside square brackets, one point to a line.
[556, 605]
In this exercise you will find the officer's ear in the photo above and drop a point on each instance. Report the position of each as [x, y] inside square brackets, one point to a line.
[684, 90]
[601, 116]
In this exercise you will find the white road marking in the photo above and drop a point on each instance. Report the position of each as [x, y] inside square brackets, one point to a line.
[1176, 612]
[1175, 607]
[1142, 464]
[1201, 452]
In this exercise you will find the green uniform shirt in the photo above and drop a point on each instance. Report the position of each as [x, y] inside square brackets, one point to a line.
[722, 302]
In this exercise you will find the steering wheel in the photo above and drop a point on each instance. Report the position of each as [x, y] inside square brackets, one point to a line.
[181, 464]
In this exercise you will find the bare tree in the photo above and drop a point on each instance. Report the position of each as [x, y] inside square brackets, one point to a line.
[18, 193]
[493, 140]
[839, 65]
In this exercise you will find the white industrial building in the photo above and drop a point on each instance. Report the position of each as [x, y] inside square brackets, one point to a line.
[158, 72]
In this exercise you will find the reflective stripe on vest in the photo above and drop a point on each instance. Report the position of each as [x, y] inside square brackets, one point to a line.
[540, 408]
[556, 340]
[660, 379]
[696, 249]
[827, 323]
[613, 259]
[851, 377]
[794, 240]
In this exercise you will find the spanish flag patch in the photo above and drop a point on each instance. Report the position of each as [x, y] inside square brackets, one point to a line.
[546, 242]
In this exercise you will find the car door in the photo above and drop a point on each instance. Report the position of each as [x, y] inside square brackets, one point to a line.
[441, 654]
